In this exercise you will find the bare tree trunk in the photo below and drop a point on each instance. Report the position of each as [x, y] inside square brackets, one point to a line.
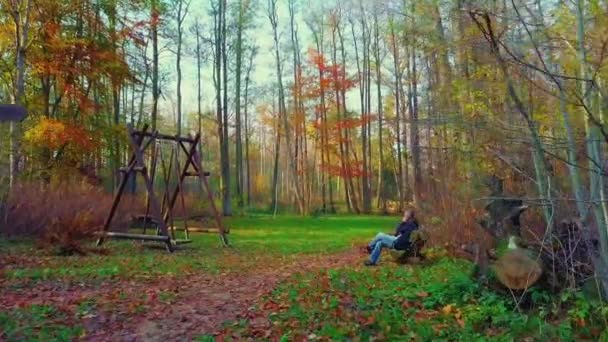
[182, 12]
[116, 89]
[347, 143]
[301, 155]
[444, 84]
[217, 73]
[144, 86]
[381, 186]
[272, 15]
[226, 198]
[155, 14]
[414, 133]
[337, 94]
[199, 97]
[363, 79]
[397, 67]
[242, 8]
[21, 16]
[362, 104]
[594, 150]
[277, 154]
[247, 128]
[320, 142]
[413, 108]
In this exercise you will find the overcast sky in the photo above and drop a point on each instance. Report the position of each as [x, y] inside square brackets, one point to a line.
[264, 74]
[261, 34]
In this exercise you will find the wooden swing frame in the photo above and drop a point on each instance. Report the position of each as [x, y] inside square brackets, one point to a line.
[139, 142]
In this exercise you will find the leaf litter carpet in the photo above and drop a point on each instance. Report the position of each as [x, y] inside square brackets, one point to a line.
[167, 308]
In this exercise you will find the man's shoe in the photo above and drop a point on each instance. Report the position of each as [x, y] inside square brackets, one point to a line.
[368, 263]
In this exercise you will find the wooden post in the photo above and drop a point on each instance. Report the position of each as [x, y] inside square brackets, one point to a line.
[125, 176]
[194, 158]
[139, 159]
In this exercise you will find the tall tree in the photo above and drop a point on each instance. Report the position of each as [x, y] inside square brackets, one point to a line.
[316, 25]
[250, 65]
[273, 17]
[155, 15]
[413, 105]
[378, 62]
[299, 120]
[21, 14]
[401, 182]
[363, 66]
[227, 197]
[594, 150]
[220, 78]
[181, 12]
[243, 7]
[197, 29]
[348, 149]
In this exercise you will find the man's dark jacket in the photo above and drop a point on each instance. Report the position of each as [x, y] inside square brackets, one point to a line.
[404, 230]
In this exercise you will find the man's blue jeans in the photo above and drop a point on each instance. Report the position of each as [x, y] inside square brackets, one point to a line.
[380, 241]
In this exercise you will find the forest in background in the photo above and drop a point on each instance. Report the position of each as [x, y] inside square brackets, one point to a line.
[372, 106]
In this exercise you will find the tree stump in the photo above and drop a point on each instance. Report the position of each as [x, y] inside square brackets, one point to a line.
[515, 268]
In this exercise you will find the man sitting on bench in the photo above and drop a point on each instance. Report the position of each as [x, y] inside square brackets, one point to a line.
[399, 241]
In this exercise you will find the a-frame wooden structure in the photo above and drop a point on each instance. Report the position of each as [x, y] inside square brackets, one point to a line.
[140, 142]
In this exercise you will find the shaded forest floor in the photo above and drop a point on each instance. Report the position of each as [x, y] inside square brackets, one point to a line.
[287, 278]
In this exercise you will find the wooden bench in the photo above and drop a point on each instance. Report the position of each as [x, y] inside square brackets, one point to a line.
[413, 254]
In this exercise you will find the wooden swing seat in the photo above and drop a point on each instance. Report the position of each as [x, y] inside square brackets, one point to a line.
[200, 230]
[181, 241]
[132, 236]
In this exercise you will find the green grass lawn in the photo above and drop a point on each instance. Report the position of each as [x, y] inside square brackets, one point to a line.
[252, 239]
[433, 301]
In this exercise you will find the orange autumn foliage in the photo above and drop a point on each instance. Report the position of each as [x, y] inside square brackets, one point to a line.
[55, 134]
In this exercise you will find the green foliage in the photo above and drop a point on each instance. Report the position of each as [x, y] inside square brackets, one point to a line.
[422, 303]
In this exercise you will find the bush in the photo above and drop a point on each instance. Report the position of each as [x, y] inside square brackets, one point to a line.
[61, 215]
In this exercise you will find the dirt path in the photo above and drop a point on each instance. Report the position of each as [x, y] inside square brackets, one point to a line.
[170, 308]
